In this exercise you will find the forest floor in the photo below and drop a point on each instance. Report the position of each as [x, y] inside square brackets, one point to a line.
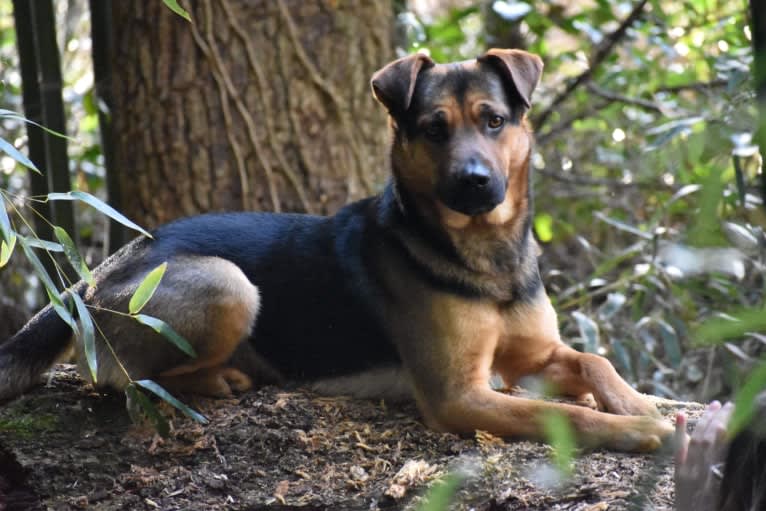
[65, 447]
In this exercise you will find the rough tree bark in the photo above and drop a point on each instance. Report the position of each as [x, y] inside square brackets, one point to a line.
[255, 105]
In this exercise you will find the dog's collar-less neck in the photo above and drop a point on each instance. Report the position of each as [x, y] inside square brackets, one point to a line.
[437, 259]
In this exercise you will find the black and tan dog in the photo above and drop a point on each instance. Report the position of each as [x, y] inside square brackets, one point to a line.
[426, 289]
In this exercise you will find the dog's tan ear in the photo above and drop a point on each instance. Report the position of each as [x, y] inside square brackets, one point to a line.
[394, 84]
[522, 68]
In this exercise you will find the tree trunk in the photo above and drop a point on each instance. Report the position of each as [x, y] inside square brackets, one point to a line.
[255, 105]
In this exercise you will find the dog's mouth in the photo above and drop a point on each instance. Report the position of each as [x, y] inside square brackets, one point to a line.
[470, 208]
[472, 200]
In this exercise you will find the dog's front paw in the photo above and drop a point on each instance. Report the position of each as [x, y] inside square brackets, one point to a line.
[643, 434]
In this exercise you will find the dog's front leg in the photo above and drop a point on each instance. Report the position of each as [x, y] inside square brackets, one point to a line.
[481, 408]
[568, 369]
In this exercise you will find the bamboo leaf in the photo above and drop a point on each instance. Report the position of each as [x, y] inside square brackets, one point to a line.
[6, 250]
[165, 396]
[622, 356]
[73, 255]
[146, 289]
[670, 342]
[50, 246]
[560, 435]
[613, 303]
[588, 331]
[717, 329]
[50, 288]
[14, 153]
[744, 401]
[5, 223]
[166, 331]
[87, 334]
[173, 6]
[9, 114]
[441, 494]
[138, 402]
[37, 265]
[100, 205]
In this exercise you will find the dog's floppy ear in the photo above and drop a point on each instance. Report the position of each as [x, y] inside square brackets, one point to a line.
[522, 68]
[394, 84]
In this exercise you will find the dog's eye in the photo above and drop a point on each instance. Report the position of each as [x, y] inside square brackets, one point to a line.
[495, 122]
[436, 130]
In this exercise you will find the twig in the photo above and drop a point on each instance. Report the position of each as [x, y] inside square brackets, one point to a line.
[583, 180]
[698, 86]
[613, 96]
[599, 54]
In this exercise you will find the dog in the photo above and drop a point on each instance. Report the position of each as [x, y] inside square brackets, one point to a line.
[426, 289]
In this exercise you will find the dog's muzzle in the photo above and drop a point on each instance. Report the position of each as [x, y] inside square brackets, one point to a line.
[473, 189]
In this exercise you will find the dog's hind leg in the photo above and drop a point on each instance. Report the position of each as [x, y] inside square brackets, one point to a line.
[207, 300]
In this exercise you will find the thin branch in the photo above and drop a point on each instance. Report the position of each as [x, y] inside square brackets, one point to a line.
[614, 96]
[600, 53]
[583, 180]
[698, 86]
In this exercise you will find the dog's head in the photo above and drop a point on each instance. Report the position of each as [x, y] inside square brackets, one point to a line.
[459, 135]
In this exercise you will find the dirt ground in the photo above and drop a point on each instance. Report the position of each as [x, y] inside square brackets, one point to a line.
[65, 447]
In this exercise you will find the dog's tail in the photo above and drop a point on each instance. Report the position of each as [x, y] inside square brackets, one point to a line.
[34, 349]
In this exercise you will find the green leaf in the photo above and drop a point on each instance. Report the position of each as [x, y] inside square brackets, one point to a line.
[14, 153]
[670, 342]
[544, 227]
[622, 356]
[173, 6]
[165, 396]
[6, 250]
[612, 305]
[101, 206]
[146, 289]
[9, 114]
[138, 402]
[49, 246]
[37, 265]
[588, 331]
[706, 229]
[166, 331]
[440, 494]
[75, 259]
[560, 434]
[718, 329]
[50, 288]
[5, 223]
[744, 401]
[87, 334]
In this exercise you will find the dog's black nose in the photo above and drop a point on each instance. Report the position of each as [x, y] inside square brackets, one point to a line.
[475, 174]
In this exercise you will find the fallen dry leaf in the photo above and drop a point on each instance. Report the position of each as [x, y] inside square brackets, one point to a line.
[412, 473]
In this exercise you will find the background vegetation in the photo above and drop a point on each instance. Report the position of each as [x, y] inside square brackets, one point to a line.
[646, 175]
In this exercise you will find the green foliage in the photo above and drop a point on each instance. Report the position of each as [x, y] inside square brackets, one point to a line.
[561, 436]
[84, 326]
[441, 494]
[166, 331]
[146, 289]
[88, 334]
[73, 255]
[101, 206]
[744, 402]
[173, 6]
